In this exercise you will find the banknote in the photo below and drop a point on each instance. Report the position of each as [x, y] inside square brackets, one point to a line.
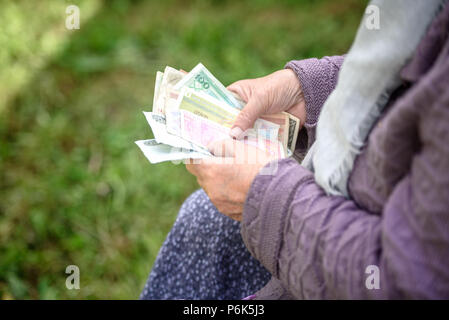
[281, 119]
[293, 129]
[266, 128]
[201, 131]
[171, 99]
[157, 152]
[201, 79]
[157, 86]
[270, 145]
[265, 131]
[170, 78]
[173, 122]
[157, 123]
[289, 128]
[207, 107]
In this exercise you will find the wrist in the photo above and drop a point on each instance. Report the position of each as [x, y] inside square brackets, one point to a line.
[298, 107]
[293, 82]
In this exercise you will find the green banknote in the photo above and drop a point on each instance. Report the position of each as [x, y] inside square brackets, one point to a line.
[200, 79]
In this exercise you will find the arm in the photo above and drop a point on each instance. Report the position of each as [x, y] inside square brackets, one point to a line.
[319, 246]
[300, 89]
[318, 78]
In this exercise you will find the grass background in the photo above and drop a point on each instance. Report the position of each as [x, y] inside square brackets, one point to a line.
[74, 189]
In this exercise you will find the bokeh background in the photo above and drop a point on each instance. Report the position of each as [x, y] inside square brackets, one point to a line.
[74, 189]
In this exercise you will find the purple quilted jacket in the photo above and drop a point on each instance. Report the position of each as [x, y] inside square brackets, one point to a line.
[395, 224]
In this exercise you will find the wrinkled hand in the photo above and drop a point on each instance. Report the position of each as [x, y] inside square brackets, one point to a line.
[274, 93]
[227, 178]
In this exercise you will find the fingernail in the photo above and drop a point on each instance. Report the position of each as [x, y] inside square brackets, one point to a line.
[236, 133]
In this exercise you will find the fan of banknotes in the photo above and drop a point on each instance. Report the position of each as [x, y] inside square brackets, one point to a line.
[191, 110]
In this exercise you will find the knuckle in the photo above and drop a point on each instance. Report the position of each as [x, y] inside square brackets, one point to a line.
[245, 116]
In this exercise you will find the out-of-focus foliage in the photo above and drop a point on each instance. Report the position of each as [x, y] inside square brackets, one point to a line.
[74, 189]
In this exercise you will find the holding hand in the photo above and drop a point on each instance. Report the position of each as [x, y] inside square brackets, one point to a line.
[226, 178]
[274, 93]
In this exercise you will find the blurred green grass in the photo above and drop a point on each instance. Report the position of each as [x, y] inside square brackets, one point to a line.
[74, 189]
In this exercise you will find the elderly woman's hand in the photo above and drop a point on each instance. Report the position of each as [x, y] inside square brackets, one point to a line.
[276, 92]
[227, 178]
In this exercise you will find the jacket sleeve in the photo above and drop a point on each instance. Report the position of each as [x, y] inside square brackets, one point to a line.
[318, 78]
[322, 246]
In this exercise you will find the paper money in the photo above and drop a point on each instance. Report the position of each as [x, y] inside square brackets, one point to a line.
[158, 126]
[170, 78]
[157, 86]
[171, 99]
[200, 79]
[293, 130]
[270, 145]
[289, 128]
[201, 131]
[173, 122]
[207, 107]
[157, 152]
[281, 119]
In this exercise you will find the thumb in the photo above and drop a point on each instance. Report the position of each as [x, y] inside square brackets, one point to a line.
[246, 118]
